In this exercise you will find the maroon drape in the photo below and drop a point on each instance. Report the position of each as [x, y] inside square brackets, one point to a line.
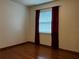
[37, 41]
[55, 23]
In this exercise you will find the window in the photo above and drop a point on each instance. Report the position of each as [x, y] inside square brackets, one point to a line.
[45, 21]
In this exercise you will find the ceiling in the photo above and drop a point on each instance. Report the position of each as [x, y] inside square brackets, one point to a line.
[32, 2]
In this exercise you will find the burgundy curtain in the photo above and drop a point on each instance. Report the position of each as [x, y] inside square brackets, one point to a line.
[55, 23]
[37, 41]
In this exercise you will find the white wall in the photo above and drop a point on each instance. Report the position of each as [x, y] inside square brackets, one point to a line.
[13, 22]
[68, 27]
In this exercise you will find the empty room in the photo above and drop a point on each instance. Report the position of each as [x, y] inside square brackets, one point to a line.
[39, 29]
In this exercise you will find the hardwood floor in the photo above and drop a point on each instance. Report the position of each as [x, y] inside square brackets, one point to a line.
[30, 51]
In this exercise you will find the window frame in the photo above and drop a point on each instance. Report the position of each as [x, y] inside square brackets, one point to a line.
[47, 33]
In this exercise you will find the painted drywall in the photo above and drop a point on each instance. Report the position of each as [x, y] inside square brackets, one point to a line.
[13, 22]
[45, 39]
[68, 24]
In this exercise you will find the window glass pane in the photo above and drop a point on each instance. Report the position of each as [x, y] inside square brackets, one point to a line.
[45, 27]
[45, 15]
[45, 21]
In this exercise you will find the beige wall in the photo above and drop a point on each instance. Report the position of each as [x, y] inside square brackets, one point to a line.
[12, 23]
[68, 27]
[45, 39]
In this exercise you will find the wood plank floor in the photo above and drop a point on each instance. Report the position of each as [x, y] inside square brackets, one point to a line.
[30, 51]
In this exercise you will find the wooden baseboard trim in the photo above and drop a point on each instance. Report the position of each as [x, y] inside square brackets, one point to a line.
[60, 49]
[40, 44]
[13, 46]
[73, 52]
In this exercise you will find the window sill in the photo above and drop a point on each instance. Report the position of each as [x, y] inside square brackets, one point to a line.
[46, 33]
